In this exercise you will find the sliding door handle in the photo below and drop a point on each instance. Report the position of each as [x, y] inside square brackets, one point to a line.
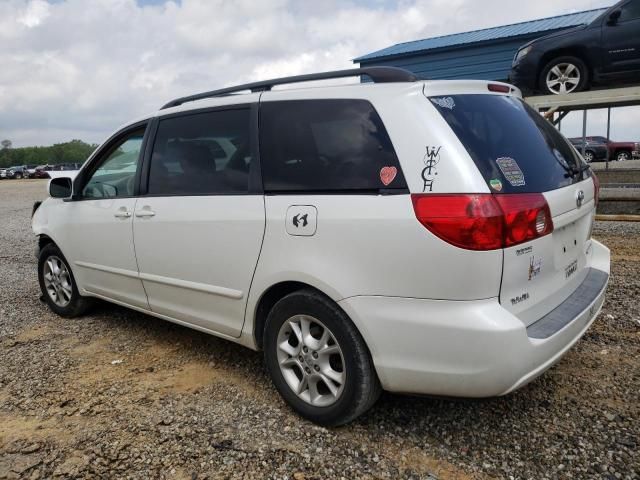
[122, 213]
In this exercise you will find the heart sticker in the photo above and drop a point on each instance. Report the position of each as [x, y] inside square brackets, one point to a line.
[387, 174]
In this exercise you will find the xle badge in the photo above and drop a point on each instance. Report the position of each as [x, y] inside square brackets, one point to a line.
[301, 220]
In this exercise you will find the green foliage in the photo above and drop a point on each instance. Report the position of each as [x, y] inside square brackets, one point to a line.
[75, 151]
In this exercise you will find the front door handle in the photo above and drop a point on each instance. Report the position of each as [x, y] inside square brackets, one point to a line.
[145, 212]
[122, 212]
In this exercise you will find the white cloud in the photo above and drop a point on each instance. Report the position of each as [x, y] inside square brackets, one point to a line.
[78, 69]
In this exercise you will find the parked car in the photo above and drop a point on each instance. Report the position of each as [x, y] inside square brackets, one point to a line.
[3, 173]
[593, 151]
[42, 171]
[619, 150]
[604, 52]
[418, 237]
[19, 171]
[30, 171]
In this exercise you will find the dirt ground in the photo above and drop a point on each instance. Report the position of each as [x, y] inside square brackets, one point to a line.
[119, 394]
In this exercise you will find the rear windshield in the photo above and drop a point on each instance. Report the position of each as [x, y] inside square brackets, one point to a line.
[513, 146]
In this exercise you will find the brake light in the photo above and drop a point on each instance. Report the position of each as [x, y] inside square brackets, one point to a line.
[484, 221]
[496, 87]
[596, 188]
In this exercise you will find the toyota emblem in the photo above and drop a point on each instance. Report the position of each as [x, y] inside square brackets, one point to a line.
[579, 198]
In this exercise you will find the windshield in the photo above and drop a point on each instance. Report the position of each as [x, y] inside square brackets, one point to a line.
[513, 146]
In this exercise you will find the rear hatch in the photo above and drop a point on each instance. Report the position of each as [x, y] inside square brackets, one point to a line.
[522, 156]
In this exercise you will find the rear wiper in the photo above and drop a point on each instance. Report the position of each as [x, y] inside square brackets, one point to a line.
[572, 171]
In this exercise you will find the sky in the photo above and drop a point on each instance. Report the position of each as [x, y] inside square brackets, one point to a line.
[81, 68]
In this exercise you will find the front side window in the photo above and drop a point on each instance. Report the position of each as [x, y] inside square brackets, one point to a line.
[201, 154]
[115, 176]
[326, 146]
[631, 11]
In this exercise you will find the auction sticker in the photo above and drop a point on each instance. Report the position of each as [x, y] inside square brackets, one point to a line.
[511, 171]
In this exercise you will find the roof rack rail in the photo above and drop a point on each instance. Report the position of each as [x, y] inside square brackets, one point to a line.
[377, 74]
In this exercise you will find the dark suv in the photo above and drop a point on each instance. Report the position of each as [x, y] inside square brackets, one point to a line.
[603, 52]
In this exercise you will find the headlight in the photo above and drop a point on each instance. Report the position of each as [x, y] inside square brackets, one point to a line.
[522, 53]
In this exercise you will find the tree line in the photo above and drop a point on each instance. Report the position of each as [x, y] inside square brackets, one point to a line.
[75, 151]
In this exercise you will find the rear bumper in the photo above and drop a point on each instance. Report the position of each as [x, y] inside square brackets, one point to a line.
[466, 348]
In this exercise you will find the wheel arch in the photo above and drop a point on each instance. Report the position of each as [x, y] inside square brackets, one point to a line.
[44, 240]
[269, 298]
[276, 292]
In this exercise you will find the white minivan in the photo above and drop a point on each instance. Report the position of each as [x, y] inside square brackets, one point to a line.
[425, 237]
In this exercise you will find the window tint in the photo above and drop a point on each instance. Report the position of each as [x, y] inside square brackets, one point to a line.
[199, 154]
[326, 145]
[630, 11]
[115, 177]
[513, 146]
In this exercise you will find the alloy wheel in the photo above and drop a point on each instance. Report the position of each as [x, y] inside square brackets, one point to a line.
[588, 157]
[57, 281]
[311, 360]
[563, 78]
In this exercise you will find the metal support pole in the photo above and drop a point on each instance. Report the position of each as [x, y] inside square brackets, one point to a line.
[584, 131]
[608, 133]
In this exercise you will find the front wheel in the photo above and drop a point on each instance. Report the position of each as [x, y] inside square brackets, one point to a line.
[564, 75]
[318, 360]
[588, 156]
[58, 286]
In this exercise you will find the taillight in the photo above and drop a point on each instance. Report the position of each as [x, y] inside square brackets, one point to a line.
[596, 188]
[484, 221]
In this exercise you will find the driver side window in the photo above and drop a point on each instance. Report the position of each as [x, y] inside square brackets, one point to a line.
[115, 176]
[631, 11]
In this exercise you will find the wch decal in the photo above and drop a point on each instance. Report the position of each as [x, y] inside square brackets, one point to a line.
[431, 159]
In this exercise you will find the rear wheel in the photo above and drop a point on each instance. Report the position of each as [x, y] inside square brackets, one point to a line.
[623, 156]
[58, 285]
[564, 75]
[317, 359]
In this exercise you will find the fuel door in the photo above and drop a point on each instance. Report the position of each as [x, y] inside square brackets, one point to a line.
[302, 220]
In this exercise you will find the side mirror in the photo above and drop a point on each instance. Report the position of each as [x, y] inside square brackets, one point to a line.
[61, 187]
[613, 17]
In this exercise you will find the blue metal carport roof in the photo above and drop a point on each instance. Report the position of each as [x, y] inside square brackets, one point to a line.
[482, 54]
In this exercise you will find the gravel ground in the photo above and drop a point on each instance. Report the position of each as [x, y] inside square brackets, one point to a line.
[118, 394]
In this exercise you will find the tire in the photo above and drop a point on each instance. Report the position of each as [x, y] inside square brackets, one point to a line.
[622, 155]
[18, 175]
[576, 76]
[589, 156]
[70, 303]
[351, 361]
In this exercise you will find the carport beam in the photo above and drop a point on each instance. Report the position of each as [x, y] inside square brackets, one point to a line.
[608, 133]
[584, 131]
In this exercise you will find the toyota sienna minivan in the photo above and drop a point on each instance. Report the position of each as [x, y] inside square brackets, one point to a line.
[424, 237]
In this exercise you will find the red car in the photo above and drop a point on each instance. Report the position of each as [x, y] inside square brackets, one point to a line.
[42, 171]
[619, 150]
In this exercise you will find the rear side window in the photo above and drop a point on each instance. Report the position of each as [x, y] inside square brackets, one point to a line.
[326, 146]
[513, 146]
[200, 154]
